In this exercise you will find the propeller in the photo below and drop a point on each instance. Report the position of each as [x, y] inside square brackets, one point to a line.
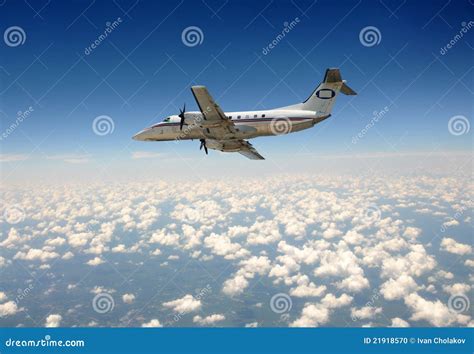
[181, 115]
[203, 145]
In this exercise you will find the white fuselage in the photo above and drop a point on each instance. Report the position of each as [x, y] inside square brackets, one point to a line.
[248, 125]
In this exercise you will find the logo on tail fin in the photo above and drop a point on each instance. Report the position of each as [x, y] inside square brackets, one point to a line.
[325, 94]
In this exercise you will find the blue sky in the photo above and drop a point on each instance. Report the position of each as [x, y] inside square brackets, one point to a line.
[142, 72]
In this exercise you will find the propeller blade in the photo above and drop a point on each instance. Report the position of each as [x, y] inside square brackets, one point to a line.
[181, 115]
[203, 145]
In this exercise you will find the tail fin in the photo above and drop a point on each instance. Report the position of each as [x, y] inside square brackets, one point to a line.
[323, 98]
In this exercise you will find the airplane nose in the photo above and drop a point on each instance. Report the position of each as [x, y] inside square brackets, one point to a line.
[140, 136]
[137, 136]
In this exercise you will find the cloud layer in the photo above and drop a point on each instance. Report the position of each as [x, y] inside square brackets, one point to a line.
[345, 250]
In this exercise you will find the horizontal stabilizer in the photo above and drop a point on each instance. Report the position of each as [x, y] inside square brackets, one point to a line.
[346, 90]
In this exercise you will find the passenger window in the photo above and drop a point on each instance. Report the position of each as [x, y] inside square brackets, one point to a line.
[238, 117]
[255, 116]
[263, 115]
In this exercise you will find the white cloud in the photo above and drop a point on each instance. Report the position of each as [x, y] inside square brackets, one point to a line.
[13, 157]
[235, 286]
[259, 265]
[251, 325]
[184, 305]
[100, 289]
[8, 308]
[394, 289]
[165, 238]
[263, 233]
[312, 316]
[332, 302]
[71, 158]
[316, 314]
[287, 266]
[458, 288]
[452, 222]
[128, 298]
[34, 254]
[249, 267]
[331, 232]
[208, 320]
[414, 263]
[13, 239]
[155, 252]
[434, 312]
[119, 249]
[222, 245]
[58, 241]
[398, 322]
[342, 263]
[469, 263]
[152, 323]
[53, 320]
[146, 155]
[412, 232]
[450, 245]
[365, 312]
[95, 261]
[305, 288]
[354, 283]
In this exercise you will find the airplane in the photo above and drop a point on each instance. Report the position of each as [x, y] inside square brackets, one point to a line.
[229, 131]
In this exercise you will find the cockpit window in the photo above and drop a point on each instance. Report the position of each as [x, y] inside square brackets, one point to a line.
[167, 119]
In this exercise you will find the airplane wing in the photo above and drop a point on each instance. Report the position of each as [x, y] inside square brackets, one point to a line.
[220, 127]
[235, 145]
[249, 151]
[216, 121]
